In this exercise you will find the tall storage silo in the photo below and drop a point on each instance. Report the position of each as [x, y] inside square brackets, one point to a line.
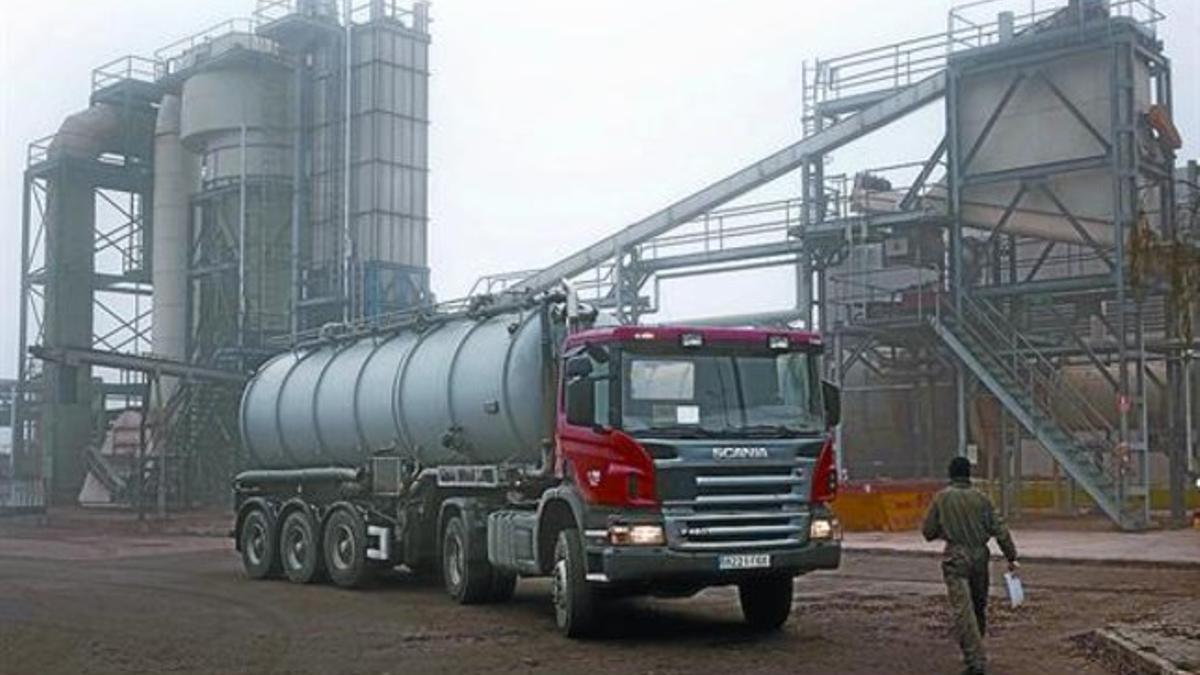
[236, 115]
[364, 192]
[390, 160]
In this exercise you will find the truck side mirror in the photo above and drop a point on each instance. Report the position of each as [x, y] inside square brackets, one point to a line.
[833, 403]
[578, 368]
[581, 404]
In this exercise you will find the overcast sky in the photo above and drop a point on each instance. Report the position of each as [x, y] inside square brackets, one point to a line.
[555, 122]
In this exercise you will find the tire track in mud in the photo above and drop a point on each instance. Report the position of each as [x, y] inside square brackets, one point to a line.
[262, 619]
[1030, 585]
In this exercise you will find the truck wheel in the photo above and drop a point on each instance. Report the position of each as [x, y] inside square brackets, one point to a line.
[504, 584]
[766, 603]
[574, 602]
[257, 542]
[299, 550]
[345, 547]
[468, 581]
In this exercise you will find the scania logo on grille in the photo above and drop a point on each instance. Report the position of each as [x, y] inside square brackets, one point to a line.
[739, 452]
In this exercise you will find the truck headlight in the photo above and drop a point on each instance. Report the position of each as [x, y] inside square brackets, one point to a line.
[636, 535]
[825, 529]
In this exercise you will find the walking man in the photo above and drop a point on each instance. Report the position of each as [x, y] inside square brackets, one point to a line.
[966, 519]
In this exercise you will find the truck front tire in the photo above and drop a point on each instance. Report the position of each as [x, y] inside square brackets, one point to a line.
[300, 548]
[574, 601]
[260, 555]
[344, 545]
[766, 602]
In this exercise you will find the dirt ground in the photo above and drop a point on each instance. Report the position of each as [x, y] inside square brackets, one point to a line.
[74, 600]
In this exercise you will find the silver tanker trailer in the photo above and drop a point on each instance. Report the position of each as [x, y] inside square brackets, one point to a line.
[516, 439]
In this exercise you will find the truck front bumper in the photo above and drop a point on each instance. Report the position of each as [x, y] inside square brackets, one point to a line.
[622, 564]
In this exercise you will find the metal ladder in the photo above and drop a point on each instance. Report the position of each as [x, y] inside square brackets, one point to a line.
[1035, 392]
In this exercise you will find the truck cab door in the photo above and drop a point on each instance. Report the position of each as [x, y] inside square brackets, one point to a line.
[606, 466]
[584, 424]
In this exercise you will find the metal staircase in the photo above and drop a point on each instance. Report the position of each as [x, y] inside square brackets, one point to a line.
[1034, 390]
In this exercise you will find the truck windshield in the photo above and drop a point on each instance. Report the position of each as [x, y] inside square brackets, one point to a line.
[724, 393]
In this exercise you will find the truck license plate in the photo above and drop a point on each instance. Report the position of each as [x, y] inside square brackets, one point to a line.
[744, 561]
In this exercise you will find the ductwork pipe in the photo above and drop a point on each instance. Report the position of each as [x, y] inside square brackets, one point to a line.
[67, 417]
[88, 134]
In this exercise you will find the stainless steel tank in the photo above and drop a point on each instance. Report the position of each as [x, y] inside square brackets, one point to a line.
[460, 392]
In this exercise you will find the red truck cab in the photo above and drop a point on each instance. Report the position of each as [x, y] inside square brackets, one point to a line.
[694, 457]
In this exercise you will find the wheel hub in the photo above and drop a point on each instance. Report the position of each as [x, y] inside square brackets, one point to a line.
[297, 549]
[559, 590]
[257, 544]
[343, 548]
[454, 562]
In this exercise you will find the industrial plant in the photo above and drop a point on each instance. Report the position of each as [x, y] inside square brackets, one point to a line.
[1023, 294]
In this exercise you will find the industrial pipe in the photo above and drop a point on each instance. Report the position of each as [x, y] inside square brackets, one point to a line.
[175, 175]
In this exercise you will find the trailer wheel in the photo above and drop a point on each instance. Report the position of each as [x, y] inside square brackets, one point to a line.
[300, 548]
[257, 542]
[468, 581]
[345, 547]
[574, 601]
[766, 602]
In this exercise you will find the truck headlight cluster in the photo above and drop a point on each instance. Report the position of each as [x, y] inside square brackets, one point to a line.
[825, 529]
[636, 535]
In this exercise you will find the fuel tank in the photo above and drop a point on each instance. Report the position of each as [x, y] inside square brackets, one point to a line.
[462, 391]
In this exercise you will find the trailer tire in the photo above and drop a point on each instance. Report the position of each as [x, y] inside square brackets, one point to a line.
[574, 600]
[260, 554]
[504, 585]
[344, 544]
[300, 548]
[767, 602]
[468, 582]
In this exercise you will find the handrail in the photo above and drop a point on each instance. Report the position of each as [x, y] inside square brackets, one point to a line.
[1029, 367]
[1051, 373]
[905, 62]
[131, 67]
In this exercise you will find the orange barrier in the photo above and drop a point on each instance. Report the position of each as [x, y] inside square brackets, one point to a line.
[888, 506]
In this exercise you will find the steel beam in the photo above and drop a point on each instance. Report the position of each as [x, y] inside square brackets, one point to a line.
[756, 175]
[73, 356]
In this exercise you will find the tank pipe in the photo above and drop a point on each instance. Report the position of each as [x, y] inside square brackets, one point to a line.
[242, 304]
[263, 477]
[1188, 433]
[347, 286]
[297, 188]
[550, 378]
[17, 425]
[518, 303]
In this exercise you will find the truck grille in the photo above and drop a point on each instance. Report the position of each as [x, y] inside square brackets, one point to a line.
[720, 507]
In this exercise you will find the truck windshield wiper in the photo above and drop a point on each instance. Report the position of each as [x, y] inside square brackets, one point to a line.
[676, 431]
[769, 431]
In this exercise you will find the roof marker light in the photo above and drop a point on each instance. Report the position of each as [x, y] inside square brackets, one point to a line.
[779, 342]
[644, 335]
[691, 340]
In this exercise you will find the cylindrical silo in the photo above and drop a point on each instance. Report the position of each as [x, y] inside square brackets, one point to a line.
[238, 118]
[175, 178]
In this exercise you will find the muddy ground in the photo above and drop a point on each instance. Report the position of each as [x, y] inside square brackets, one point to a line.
[78, 601]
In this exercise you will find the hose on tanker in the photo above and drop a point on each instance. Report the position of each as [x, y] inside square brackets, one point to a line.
[275, 477]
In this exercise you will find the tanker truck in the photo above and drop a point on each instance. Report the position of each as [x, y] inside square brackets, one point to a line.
[527, 439]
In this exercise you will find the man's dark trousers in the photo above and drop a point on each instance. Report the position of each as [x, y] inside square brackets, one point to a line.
[965, 571]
